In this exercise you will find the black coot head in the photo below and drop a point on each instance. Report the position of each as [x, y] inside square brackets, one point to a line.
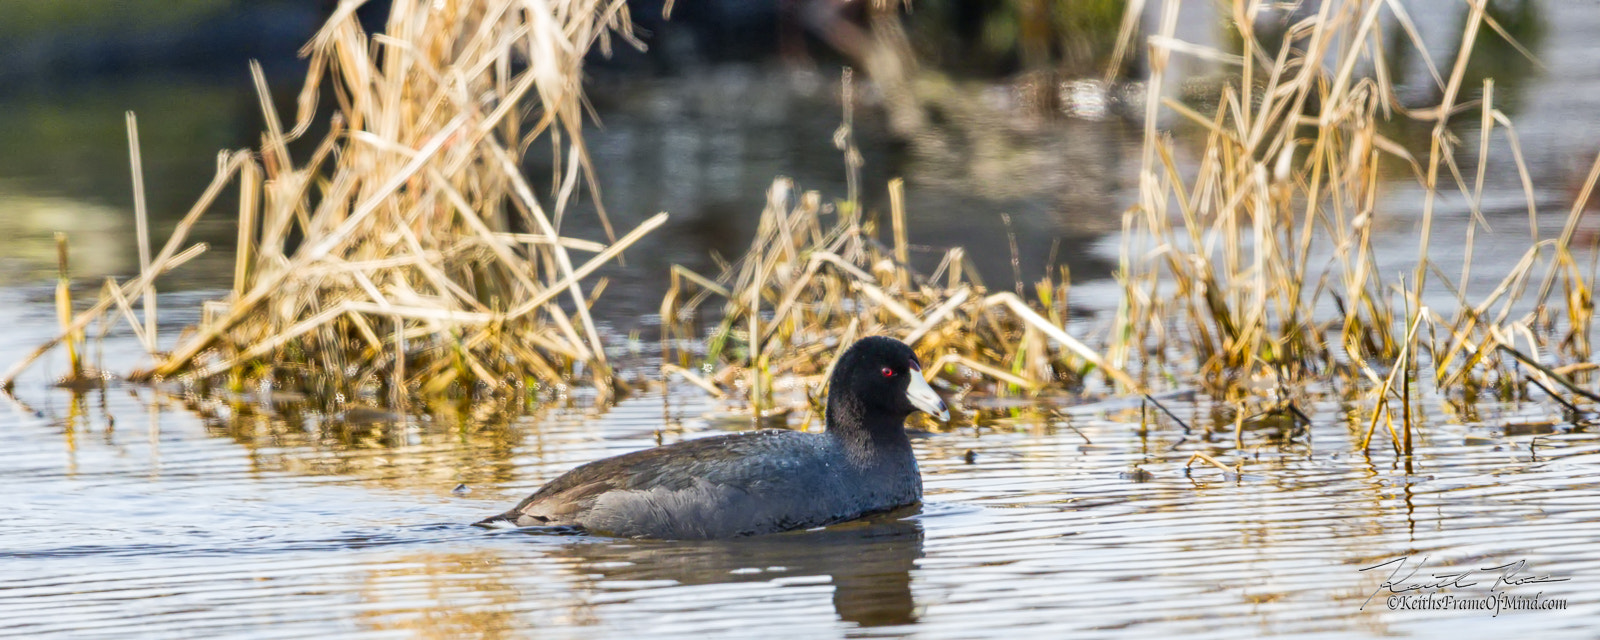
[883, 374]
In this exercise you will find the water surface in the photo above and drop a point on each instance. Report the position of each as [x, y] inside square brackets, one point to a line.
[135, 511]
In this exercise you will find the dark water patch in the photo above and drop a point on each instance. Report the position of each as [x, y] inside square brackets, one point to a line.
[240, 543]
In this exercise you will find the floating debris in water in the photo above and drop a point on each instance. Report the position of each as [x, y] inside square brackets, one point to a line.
[1514, 429]
[461, 489]
[368, 415]
[970, 456]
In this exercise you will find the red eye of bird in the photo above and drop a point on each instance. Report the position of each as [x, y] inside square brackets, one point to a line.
[888, 373]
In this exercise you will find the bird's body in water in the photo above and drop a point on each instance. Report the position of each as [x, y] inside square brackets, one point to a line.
[764, 481]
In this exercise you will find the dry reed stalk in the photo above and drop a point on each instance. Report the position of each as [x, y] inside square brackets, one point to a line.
[141, 219]
[1206, 458]
[424, 253]
[64, 310]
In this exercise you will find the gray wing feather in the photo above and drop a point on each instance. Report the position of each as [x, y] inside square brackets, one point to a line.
[708, 487]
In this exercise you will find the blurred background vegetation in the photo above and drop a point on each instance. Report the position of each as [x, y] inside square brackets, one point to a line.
[982, 106]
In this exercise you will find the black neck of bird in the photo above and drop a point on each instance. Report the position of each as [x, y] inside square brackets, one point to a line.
[863, 430]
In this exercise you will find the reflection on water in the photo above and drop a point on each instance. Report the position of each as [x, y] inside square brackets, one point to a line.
[551, 583]
[868, 564]
[27, 245]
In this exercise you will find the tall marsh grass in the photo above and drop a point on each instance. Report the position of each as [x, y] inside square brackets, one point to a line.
[1249, 266]
[817, 277]
[407, 254]
[1256, 259]
[427, 264]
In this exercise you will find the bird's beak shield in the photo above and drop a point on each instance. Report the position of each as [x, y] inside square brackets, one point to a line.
[923, 397]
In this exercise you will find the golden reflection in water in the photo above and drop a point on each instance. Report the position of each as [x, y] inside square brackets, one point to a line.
[392, 451]
[77, 418]
[569, 581]
[462, 595]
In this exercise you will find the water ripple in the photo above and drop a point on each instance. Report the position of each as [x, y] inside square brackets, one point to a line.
[261, 525]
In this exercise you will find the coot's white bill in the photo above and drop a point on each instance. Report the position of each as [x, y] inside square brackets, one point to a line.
[923, 397]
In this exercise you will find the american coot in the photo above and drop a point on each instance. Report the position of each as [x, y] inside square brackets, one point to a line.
[763, 481]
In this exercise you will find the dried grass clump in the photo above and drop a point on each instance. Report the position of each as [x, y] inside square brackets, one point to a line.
[1259, 261]
[407, 254]
[809, 287]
